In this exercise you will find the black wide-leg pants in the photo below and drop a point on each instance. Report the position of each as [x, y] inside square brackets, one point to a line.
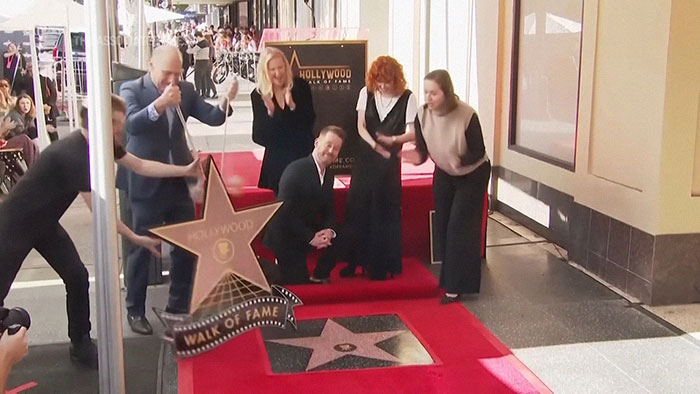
[459, 208]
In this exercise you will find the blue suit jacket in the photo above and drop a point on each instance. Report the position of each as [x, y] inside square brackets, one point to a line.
[154, 140]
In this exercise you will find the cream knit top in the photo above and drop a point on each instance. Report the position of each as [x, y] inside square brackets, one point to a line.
[445, 137]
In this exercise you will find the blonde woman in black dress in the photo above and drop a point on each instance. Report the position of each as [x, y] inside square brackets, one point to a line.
[283, 116]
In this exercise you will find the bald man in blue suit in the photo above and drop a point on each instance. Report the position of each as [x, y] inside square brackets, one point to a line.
[155, 132]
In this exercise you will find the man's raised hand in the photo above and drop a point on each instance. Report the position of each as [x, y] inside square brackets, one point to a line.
[170, 97]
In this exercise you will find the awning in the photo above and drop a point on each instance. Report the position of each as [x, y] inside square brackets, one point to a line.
[27, 14]
[152, 14]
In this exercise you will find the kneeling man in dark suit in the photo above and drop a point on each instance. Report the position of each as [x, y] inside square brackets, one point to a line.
[307, 216]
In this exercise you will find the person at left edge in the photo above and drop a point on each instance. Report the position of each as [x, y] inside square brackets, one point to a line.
[29, 220]
[155, 132]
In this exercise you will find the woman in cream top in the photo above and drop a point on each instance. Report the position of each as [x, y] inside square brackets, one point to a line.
[449, 131]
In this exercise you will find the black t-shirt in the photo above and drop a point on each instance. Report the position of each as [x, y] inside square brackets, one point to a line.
[50, 185]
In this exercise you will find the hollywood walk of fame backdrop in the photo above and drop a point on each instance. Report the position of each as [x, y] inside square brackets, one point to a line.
[344, 343]
[230, 293]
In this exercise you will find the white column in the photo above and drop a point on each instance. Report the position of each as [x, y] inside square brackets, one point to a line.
[109, 323]
[303, 15]
[286, 14]
[348, 13]
[325, 13]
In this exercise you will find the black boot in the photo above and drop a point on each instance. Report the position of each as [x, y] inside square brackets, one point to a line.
[84, 352]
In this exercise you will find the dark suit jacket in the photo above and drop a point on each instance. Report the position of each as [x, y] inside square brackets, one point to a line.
[308, 206]
[155, 140]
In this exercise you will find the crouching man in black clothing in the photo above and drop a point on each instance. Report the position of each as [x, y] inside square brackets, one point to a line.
[307, 217]
[30, 213]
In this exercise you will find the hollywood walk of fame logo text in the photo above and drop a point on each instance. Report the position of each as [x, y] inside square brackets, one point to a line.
[230, 293]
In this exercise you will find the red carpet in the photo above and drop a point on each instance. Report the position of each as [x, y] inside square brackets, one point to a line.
[468, 359]
[415, 282]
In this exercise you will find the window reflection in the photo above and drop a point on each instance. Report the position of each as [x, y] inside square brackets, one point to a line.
[559, 24]
[530, 25]
[546, 95]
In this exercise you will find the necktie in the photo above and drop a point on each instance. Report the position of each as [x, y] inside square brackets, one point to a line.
[170, 114]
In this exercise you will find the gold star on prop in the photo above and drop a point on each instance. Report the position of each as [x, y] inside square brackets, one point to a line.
[221, 240]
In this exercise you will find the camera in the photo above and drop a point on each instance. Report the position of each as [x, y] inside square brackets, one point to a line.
[13, 319]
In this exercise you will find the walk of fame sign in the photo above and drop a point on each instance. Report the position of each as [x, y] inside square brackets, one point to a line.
[230, 293]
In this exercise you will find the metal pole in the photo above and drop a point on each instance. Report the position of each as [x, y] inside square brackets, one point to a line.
[113, 30]
[70, 67]
[109, 322]
[38, 99]
[69, 77]
[141, 20]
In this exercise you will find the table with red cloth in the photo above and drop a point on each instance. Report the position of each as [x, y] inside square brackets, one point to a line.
[416, 198]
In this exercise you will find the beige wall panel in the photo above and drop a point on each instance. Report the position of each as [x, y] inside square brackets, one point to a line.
[696, 166]
[627, 115]
[636, 208]
[680, 211]
[486, 53]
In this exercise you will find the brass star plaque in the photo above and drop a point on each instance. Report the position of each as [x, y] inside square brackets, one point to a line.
[230, 294]
[221, 240]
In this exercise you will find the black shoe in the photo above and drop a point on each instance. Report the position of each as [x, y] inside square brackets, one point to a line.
[448, 300]
[139, 325]
[84, 352]
[176, 311]
[348, 272]
[317, 281]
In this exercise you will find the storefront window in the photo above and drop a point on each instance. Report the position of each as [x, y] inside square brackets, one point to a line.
[545, 79]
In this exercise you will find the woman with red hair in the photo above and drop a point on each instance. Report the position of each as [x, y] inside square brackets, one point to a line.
[386, 110]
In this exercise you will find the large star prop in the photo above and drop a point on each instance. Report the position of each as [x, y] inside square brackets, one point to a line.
[337, 341]
[221, 240]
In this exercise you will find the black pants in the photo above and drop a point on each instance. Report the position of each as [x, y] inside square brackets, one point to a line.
[291, 260]
[147, 215]
[372, 228]
[59, 251]
[459, 207]
[330, 256]
[211, 86]
[201, 82]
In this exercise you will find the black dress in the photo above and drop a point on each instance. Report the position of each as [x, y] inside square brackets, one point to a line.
[373, 211]
[286, 135]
